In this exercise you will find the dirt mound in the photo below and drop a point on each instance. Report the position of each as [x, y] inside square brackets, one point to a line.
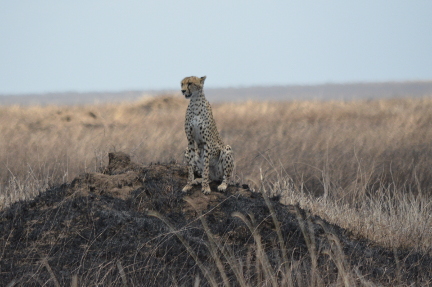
[132, 225]
[159, 103]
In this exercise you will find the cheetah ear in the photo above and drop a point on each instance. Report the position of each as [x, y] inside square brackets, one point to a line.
[202, 79]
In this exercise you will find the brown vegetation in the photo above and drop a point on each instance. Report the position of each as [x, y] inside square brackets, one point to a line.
[131, 225]
[364, 165]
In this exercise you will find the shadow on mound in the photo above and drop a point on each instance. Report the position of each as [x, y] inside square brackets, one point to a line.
[132, 225]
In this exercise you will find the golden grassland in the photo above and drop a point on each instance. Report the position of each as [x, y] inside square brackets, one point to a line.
[364, 165]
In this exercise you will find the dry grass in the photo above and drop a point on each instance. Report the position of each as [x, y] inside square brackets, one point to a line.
[365, 165]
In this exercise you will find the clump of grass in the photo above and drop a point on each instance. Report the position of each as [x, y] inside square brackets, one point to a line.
[389, 216]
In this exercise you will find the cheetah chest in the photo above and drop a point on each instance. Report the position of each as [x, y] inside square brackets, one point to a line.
[198, 126]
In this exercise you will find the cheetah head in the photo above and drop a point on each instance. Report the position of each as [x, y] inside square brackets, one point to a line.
[192, 86]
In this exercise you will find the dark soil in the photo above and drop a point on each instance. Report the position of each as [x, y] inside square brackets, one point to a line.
[101, 228]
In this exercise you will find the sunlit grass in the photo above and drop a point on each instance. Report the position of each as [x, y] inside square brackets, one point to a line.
[363, 165]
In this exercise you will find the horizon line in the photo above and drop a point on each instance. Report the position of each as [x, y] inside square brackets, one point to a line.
[168, 90]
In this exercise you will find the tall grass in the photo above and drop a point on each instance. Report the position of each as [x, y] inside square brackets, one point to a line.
[364, 165]
[257, 269]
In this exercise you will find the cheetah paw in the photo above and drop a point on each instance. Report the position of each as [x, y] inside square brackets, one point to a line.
[187, 188]
[223, 186]
[206, 190]
[197, 181]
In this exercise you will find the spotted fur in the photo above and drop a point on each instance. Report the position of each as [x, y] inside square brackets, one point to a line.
[206, 153]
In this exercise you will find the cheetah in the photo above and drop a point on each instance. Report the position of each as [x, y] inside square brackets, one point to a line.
[206, 154]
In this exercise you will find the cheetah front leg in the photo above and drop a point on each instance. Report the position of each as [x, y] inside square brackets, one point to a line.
[205, 181]
[227, 162]
[190, 155]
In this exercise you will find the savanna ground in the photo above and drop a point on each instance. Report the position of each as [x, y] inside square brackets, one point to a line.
[362, 165]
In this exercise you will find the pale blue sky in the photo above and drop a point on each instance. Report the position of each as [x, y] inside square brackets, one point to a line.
[56, 46]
